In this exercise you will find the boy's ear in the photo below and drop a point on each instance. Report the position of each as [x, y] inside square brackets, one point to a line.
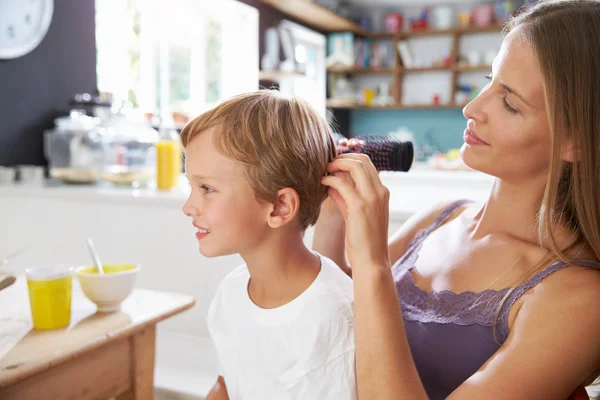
[285, 208]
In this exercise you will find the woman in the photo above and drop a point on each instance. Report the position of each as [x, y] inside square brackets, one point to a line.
[500, 300]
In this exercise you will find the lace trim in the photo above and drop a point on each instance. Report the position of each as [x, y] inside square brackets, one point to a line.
[465, 308]
[447, 307]
[503, 329]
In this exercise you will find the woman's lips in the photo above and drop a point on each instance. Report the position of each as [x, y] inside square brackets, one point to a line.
[472, 139]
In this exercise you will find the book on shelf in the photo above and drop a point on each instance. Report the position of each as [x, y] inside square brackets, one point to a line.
[405, 54]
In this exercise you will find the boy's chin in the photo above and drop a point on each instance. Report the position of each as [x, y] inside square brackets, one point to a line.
[211, 253]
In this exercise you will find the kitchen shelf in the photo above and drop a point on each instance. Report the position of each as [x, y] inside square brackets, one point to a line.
[383, 36]
[359, 70]
[451, 31]
[424, 69]
[315, 15]
[374, 71]
[321, 18]
[470, 68]
[431, 106]
[352, 106]
[479, 29]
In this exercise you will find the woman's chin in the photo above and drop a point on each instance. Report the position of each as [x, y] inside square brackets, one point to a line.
[473, 161]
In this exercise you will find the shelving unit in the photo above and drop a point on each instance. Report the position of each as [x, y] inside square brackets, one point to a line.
[399, 72]
[325, 20]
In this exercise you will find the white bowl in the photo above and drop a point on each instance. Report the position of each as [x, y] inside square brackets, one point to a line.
[109, 290]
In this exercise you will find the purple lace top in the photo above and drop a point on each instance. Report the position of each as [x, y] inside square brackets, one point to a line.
[451, 334]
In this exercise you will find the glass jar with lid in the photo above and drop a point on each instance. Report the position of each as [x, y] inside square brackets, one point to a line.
[74, 148]
[129, 151]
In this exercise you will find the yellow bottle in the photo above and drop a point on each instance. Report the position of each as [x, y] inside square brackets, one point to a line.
[168, 162]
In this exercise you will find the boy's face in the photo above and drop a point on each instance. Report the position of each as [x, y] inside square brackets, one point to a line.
[228, 218]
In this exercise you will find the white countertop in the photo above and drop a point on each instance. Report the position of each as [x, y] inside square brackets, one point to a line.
[409, 192]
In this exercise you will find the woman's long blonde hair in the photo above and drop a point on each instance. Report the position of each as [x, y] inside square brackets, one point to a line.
[565, 35]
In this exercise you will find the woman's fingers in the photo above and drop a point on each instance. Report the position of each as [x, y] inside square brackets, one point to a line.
[367, 163]
[359, 174]
[341, 191]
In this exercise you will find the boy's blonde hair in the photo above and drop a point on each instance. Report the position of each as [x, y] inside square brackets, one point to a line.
[281, 142]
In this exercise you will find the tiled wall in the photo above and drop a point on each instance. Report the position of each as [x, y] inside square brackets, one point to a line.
[441, 128]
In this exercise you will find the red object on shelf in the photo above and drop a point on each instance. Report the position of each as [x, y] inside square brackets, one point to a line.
[436, 99]
[394, 23]
[482, 15]
[418, 25]
[447, 62]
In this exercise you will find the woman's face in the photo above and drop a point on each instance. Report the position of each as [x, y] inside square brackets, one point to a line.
[508, 134]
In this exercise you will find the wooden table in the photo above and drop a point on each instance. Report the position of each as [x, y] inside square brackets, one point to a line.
[98, 356]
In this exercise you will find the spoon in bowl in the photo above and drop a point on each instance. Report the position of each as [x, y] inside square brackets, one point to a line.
[95, 256]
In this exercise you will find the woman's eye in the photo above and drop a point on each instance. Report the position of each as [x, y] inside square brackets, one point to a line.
[508, 107]
[504, 102]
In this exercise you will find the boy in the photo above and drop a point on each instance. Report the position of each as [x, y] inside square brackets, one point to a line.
[282, 323]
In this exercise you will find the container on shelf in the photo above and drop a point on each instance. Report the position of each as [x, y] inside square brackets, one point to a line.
[168, 160]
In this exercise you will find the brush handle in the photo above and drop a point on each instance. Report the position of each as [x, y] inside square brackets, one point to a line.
[385, 154]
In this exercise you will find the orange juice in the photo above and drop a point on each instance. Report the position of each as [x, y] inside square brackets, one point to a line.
[168, 164]
[49, 296]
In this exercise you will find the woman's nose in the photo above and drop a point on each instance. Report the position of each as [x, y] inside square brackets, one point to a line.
[476, 108]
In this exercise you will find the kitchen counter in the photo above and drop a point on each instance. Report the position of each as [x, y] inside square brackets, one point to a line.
[409, 192]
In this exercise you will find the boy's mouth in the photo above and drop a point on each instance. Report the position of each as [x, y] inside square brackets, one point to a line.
[202, 233]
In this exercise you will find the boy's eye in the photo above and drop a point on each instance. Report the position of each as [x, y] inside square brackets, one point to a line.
[206, 189]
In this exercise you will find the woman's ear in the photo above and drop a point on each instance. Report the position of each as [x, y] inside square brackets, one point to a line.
[285, 208]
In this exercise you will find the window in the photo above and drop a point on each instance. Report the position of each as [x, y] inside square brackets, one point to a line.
[177, 58]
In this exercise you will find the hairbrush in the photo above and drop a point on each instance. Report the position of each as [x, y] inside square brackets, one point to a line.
[386, 152]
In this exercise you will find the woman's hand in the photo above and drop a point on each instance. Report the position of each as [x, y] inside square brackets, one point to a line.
[363, 201]
[218, 391]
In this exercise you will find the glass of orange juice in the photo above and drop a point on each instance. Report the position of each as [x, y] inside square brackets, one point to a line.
[50, 296]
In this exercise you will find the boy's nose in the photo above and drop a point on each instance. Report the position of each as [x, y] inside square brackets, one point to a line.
[188, 209]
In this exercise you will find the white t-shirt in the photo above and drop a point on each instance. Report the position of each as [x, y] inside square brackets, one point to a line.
[303, 350]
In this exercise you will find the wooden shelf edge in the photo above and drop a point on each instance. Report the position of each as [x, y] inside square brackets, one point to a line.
[316, 16]
[359, 70]
[456, 68]
[394, 106]
[451, 31]
[383, 36]
[426, 69]
[470, 68]
[482, 29]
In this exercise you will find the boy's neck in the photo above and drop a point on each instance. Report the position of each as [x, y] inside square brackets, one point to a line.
[280, 270]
